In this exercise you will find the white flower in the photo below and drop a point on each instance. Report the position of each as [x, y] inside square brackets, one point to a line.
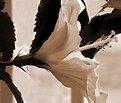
[76, 72]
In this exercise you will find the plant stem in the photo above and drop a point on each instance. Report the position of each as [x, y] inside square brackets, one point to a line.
[6, 77]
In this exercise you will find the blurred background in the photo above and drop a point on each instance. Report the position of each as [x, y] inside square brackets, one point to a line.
[40, 85]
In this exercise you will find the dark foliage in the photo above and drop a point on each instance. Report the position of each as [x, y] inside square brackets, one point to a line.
[98, 26]
[2, 4]
[46, 18]
[7, 45]
[7, 36]
[83, 17]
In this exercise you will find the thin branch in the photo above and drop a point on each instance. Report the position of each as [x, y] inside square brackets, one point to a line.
[6, 77]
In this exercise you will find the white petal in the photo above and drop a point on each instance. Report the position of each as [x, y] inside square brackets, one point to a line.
[65, 37]
[101, 98]
[77, 74]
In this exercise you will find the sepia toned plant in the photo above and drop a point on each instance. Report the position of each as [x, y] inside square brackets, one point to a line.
[63, 30]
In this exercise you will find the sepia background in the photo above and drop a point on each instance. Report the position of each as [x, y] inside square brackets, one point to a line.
[40, 86]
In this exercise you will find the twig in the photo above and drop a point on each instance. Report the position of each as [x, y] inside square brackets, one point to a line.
[6, 77]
